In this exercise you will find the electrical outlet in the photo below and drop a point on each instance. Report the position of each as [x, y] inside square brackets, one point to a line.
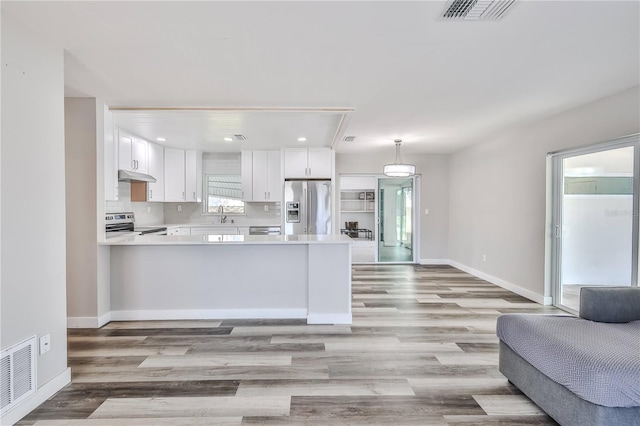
[426, 211]
[148, 209]
[179, 207]
[45, 344]
[266, 207]
[484, 257]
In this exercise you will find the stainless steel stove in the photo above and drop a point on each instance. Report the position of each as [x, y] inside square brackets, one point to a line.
[117, 224]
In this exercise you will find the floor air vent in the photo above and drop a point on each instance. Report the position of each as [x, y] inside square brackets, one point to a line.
[17, 374]
[474, 10]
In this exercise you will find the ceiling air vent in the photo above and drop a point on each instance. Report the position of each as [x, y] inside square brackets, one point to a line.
[349, 138]
[474, 10]
[239, 137]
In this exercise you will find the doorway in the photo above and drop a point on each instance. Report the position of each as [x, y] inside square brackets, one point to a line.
[595, 201]
[396, 201]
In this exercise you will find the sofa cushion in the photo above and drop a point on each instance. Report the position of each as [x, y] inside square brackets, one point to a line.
[610, 304]
[599, 362]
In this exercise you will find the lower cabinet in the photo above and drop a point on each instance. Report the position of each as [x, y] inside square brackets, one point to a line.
[214, 230]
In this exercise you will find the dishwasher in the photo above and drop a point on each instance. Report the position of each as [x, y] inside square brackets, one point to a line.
[264, 230]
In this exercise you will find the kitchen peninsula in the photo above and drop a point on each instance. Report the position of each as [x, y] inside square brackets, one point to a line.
[231, 276]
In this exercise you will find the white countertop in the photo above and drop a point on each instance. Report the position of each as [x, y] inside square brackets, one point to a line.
[169, 240]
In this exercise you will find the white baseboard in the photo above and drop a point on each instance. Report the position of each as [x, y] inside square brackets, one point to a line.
[43, 393]
[502, 283]
[433, 261]
[104, 319]
[82, 322]
[190, 314]
[329, 319]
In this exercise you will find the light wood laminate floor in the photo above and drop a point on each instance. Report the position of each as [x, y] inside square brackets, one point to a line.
[422, 350]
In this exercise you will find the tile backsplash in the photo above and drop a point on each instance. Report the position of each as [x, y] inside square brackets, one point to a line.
[148, 214]
[124, 200]
[192, 213]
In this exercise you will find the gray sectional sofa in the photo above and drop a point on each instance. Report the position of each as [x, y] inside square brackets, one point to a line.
[581, 371]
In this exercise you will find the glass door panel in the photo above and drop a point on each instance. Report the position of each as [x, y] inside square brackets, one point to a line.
[596, 222]
[395, 220]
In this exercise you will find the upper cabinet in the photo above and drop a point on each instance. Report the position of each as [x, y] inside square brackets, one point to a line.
[246, 174]
[132, 153]
[308, 163]
[266, 176]
[193, 176]
[182, 175]
[174, 176]
[155, 191]
[261, 179]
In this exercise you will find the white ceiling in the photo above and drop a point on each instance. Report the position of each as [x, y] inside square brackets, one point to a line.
[206, 130]
[438, 85]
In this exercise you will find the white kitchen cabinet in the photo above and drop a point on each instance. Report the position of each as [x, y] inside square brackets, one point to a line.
[214, 230]
[132, 153]
[174, 175]
[308, 163]
[320, 163]
[246, 167]
[110, 158]
[357, 182]
[155, 191]
[274, 177]
[193, 176]
[182, 175]
[295, 163]
[266, 176]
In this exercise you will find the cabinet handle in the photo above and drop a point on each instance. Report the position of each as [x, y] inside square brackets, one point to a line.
[265, 195]
[151, 193]
[183, 197]
[133, 164]
[268, 195]
[194, 195]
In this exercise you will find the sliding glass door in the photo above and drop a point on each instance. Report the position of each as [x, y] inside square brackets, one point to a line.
[595, 206]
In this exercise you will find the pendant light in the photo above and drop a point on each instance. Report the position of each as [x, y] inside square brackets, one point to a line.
[399, 169]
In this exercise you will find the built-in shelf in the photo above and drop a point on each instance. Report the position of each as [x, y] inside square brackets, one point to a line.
[357, 201]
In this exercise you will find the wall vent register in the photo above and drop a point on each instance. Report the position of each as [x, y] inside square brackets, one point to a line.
[474, 10]
[17, 374]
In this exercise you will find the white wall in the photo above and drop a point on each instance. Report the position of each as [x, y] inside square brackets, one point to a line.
[498, 188]
[33, 198]
[434, 193]
[80, 148]
[88, 269]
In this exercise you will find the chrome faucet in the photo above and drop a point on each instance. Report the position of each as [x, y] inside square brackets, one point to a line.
[223, 218]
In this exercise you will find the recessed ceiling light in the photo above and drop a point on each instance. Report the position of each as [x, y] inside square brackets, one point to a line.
[228, 139]
[302, 139]
[161, 139]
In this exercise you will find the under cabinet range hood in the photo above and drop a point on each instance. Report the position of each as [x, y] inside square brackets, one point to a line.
[127, 176]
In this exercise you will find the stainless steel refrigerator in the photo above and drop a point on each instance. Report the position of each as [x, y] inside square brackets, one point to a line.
[307, 207]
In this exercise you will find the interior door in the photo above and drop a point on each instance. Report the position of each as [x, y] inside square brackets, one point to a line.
[596, 233]
[396, 220]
